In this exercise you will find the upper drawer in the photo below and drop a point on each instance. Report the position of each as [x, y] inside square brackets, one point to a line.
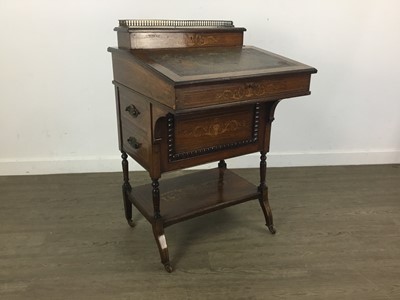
[134, 109]
[282, 86]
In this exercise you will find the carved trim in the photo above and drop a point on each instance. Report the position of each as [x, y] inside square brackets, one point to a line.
[172, 156]
[251, 90]
[170, 137]
[271, 117]
[256, 121]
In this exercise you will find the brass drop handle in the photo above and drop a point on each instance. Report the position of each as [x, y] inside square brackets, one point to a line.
[132, 110]
[134, 143]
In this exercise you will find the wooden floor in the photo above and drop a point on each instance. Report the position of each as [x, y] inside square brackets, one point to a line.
[65, 237]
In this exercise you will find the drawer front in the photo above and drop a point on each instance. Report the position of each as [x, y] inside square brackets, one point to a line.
[202, 133]
[137, 144]
[134, 113]
[134, 109]
[273, 88]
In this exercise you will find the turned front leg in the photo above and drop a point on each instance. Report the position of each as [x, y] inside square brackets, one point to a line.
[263, 190]
[158, 228]
[126, 188]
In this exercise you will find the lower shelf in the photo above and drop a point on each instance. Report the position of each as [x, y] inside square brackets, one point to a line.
[193, 195]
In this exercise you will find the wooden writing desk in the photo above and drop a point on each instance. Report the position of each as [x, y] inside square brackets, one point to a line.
[189, 93]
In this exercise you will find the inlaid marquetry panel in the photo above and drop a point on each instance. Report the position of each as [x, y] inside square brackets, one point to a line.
[152, 40]
[209, 132]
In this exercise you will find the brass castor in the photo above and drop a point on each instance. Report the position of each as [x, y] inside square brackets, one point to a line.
[168, 267]
[271, 229]
[130, 222]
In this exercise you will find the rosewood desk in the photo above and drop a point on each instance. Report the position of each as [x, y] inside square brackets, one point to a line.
[189, 93]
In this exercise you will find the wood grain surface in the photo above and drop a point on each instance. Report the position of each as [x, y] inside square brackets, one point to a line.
[338, 237]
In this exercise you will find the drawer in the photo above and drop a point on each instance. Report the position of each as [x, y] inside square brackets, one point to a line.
[273, 88]
[134, 109]
[137, 143]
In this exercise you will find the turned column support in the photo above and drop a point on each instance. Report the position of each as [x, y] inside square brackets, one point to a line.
[156, 198]
[263, 197]
[126, 189]
[158, 227]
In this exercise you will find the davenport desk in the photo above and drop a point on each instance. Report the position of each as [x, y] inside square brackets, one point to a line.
[189, 93]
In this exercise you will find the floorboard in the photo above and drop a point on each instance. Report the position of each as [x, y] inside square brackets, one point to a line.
[338, 237]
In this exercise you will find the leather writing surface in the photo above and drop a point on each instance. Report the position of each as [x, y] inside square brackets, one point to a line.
[213, 63]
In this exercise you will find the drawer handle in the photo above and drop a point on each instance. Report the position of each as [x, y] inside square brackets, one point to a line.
[132, 110]
[134, 143]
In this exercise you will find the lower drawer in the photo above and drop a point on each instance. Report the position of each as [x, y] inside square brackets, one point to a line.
[137, 144]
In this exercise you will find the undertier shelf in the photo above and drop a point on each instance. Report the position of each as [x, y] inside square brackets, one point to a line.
[193, 195]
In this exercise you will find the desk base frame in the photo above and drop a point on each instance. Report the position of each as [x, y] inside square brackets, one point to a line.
[189, 196]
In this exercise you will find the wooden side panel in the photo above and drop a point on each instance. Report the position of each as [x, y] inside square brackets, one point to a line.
[133, 75]
[267, 89]
[155, 40]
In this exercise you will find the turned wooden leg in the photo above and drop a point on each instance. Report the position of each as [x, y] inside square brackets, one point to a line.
[126, 188]
[263, 190]
[222, 164]
[222, 168]
[158, 228]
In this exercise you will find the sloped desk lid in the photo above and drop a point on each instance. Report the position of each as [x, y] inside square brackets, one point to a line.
[183, 66]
